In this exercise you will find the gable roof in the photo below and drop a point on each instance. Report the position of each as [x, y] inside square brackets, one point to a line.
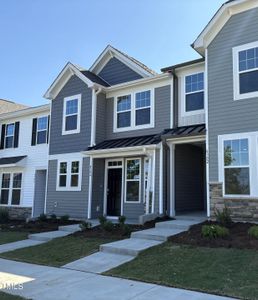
[9, 106]
[131, 62]
[228, 9]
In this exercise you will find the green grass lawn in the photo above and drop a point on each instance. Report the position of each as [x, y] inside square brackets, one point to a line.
[5, 296]
[230, 272]
[12, 236]
[57, 252]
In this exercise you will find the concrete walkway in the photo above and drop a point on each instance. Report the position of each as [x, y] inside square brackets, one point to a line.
[114, 254]
[48, 283]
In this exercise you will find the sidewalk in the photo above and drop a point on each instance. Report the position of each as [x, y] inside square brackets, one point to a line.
[48, 283]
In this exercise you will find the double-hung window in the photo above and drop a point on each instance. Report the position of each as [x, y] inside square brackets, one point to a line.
[9, 136]
[69, 175]
[72, 114]
[133, 180]
[245, 71]
[11, 184]
[236, 167]
[134, 111]
[42, 128]
[194, 92]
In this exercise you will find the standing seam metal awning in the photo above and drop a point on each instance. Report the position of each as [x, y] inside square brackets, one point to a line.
[11, 161]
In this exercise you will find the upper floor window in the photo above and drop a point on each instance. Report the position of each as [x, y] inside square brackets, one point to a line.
[69, 175]
[194, 92]
[10, 135]
[40, 130]
[71, 114]
[134, 111]
[245, 67]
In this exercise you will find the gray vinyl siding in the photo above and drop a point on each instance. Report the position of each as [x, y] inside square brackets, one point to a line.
[226, 115]
[40, 192]
[100, 118]
[71, 142]
[116, 72]
[162, 104]
[98, 188]
[73, 203]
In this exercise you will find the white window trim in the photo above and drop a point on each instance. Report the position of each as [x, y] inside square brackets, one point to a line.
[6, 136]
[77, 130]
[236, 72]
[68, 186]
[133, 126]
[11, 188]
[140, 180]
[183, 93]
[253, 161]
[41, 130]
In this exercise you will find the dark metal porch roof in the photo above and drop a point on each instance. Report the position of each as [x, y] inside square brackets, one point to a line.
[11, 160]
[185, 131]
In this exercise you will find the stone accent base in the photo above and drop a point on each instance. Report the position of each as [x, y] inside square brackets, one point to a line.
[19, 213]
[241, 209]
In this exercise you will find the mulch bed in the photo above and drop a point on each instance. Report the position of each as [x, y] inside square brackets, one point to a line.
[238, 237]
[118, 232]
[34, 226]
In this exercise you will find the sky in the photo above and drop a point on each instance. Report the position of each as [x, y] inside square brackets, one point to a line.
[38, 37]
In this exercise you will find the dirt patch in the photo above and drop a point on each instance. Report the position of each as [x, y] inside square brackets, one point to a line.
[35, 226]
[238, 237]
[118, 232]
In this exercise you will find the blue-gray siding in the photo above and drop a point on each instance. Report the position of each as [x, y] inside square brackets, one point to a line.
[71, 142]
[162, 115]
[101, 118]
[73, 203]
[40, 192]
[225, 114]
[116, 72]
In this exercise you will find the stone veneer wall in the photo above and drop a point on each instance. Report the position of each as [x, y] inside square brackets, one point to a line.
[241, 209]
[19, 213]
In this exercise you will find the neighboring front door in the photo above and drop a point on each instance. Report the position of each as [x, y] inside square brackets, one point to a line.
[114, 190]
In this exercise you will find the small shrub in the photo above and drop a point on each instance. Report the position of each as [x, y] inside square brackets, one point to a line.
[53, 217]
[4, 216]
[102, 220]
[223, 217]
[85, 225]
[108, 226]
[253, 231]
[126, 229]
[43, 218]
[122, 220]
[64, 218]
[214, 231]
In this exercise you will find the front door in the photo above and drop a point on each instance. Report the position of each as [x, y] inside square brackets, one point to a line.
[114, 190]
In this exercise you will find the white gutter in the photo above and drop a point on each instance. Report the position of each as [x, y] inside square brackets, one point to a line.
[94, 115]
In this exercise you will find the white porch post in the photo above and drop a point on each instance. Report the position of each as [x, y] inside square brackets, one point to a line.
[148, 188]
[172, 179]
[161, 179]
[90, 187]
[153, 180]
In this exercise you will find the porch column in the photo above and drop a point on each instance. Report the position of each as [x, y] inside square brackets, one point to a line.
[90, 186]
[172, 212]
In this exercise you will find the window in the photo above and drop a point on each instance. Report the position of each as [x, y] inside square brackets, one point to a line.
[194, 92]
[9, 136]
[71, 114]
[236, 167]
[42, 127]
[134, 111]
[11, 188]
[124, 111]
[245, 62]
[132, 189]
[69, 175]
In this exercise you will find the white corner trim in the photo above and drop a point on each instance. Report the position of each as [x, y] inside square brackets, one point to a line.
[161, 179]
[66, 99]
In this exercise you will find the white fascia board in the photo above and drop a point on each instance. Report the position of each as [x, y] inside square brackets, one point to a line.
[68, 71]
[26, 112]
[110, 52]
[219, 20]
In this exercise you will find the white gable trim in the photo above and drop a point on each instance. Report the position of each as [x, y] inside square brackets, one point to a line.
[219, 20]
[68, 71]
[110, 52]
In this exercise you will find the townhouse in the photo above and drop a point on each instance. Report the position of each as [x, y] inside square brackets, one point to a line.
[124, 140]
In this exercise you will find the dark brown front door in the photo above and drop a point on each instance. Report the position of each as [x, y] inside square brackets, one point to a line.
[114, 188]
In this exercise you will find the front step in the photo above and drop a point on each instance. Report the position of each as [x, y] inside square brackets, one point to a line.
[48, 236]
[70, 228]
[130, 246]
[176, 224]
[156, 234]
